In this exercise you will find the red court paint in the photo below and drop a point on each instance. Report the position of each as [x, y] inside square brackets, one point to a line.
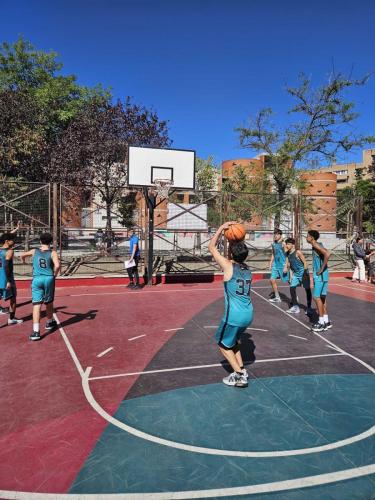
[48, 429]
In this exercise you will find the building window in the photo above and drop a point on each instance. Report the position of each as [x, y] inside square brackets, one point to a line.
[340, 172]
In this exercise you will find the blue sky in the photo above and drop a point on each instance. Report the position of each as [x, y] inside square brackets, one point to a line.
[205, 65]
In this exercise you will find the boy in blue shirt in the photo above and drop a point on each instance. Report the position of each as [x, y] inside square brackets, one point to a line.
[46, 266]
[320, 274]
[277, 264]
[8, 290]
[135, 255]
[238, 313]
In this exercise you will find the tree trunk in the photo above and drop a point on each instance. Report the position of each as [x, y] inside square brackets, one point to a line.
[108, 227]
[279, 207]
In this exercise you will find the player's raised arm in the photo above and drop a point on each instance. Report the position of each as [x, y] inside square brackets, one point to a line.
[223, 262]
[322, 251]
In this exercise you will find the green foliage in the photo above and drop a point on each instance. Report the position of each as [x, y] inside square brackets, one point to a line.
[43, 103]
[205, 174]
[126, 208]
[322, 128]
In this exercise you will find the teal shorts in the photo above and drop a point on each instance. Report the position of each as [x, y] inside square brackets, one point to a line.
[227, 335]
[43, 289]
[320, 287]
[8, 293]
[301, 279]
[277, 273]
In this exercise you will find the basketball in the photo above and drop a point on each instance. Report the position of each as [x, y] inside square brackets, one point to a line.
[235, 232]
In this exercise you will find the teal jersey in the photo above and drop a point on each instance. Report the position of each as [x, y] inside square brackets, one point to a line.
[3, 276]
[296, 264]
[238, 306]
[279, 255]
[317, 264]
[42, 263]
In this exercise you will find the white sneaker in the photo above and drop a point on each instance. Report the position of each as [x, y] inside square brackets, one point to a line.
[15, 321]
[275, 299]
[4, 310]
[244, 373]
[294, 310]
[235, 380]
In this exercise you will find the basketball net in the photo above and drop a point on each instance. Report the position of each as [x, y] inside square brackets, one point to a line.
[162, 187]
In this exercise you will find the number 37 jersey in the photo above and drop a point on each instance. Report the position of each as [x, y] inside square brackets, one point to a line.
[42, 263]
[238, 306]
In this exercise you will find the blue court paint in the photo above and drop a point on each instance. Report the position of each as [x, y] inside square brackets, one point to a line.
[271, 414]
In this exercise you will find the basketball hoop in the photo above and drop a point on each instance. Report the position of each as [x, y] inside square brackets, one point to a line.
[162, 187]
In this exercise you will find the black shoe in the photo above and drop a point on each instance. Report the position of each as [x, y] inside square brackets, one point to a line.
[137, 287]
[318, 327]
[50, 325]
[130, 285]
[35, 336]
[328, 325]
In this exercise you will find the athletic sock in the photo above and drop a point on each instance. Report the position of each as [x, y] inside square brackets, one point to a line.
[36, 327]
[325, 317]
[321, 320]
[277, 295]
[11, 315]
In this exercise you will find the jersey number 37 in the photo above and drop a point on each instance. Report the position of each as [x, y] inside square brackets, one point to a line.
[244, 287]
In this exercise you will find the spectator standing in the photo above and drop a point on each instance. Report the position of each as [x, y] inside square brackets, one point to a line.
[359, 274]
[135, 255]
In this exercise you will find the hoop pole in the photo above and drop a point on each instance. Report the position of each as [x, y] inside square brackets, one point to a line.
[150, 203]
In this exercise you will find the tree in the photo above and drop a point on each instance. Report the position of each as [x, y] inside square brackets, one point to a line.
[92, 152]
[37, 103]
[321, 129]
[245, 193]
[205, 174]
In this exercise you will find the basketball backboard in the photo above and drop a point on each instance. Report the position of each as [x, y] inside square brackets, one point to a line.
[148, 164]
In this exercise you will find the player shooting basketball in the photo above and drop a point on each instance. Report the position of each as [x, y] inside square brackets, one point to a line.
[238, 313]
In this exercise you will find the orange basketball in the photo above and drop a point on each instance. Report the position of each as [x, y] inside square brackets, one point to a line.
[235, 232]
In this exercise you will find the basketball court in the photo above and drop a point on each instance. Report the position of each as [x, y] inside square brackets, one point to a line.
[125, 400]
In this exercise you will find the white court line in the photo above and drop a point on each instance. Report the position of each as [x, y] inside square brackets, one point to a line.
[214, 451]
[248, 328]
[355, 289]
[286, 485]
[138, 337]
[104, 352]
[69, 346]
[296, 336]
[174, 329]
[215, 365]
[363, 363]
[334, 348]
[248, 489]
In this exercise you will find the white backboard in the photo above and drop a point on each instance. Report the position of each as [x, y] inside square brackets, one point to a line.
[147, 164]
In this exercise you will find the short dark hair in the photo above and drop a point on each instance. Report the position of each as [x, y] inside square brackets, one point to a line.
[277, 231]
[358, 238]
[6, 237]
[290, 240]
[46, 238]
[239, 251]
[314, 234]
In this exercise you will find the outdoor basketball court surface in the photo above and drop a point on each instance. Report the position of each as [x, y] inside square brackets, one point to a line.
[125, 400]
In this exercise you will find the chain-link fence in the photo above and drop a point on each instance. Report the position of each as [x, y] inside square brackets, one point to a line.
[92, 235]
